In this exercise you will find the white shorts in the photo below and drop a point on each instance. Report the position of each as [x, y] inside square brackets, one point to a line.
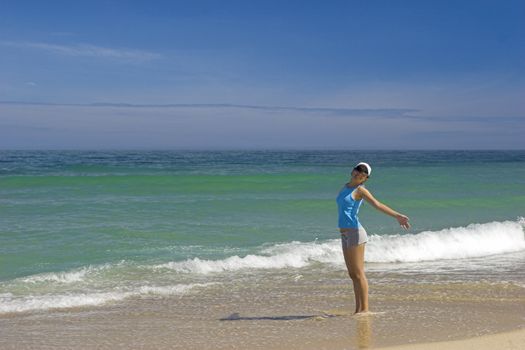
[355, 236]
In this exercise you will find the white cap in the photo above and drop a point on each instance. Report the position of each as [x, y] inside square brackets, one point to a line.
[368, 167]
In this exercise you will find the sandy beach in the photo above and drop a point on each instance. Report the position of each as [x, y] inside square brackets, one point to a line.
[503, 341]
[276, 311]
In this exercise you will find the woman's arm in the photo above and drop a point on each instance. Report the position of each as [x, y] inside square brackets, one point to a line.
[402, 219]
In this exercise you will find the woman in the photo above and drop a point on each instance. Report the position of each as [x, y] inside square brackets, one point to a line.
[353, 235]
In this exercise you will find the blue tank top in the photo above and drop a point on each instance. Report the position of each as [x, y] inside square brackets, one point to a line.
[348, 208]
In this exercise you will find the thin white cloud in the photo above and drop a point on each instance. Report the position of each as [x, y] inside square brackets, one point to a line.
[87, 50]
[378, 113]
[327, 111]
[475, 95]
[115, 126]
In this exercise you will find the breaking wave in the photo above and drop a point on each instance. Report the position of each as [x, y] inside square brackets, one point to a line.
[475, 240]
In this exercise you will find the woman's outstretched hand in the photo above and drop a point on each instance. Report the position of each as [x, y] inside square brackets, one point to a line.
[403, 221]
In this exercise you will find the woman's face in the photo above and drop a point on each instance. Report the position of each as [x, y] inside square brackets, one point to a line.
[358, 176]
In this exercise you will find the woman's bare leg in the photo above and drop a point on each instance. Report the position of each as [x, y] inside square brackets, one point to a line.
[355, 263]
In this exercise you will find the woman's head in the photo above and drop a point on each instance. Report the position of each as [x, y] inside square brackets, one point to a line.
[361, 172]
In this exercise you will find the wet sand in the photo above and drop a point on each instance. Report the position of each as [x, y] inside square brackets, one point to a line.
[305, 310]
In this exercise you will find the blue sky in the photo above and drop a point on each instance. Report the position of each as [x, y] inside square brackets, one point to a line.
[262, 74]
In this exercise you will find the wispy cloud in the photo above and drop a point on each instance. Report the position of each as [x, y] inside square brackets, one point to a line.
[381, 113]
[87, 50]
[378, 112]
[234, 126]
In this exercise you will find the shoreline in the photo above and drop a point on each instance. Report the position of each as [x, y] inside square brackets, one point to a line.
[506, 340]
[308, 309]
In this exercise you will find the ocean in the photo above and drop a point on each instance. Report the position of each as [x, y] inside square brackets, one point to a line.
[84, 229]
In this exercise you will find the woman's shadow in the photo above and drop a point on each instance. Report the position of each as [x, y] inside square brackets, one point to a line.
[362, 336]
[236, 317]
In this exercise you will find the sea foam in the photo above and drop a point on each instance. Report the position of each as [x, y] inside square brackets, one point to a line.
[67, 277]
[294, 254]
[472, 241]
[475, 240]
[10, 303]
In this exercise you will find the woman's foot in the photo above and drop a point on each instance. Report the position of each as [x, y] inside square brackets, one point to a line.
[361, 312]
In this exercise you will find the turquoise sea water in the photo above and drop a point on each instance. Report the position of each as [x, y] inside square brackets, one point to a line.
[85, 228]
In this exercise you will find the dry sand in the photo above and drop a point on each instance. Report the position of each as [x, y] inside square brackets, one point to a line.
[503, 341]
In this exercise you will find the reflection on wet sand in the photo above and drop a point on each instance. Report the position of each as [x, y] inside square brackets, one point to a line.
[364, 331]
